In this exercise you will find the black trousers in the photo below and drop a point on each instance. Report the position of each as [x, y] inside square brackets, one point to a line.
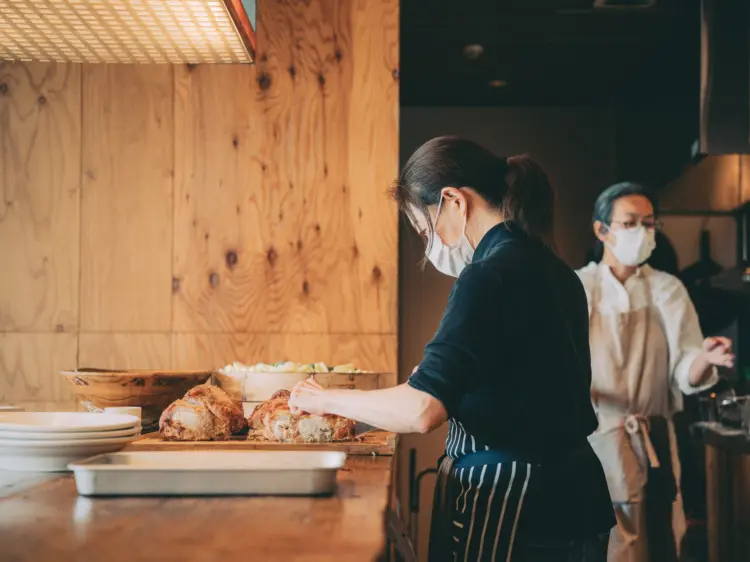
[659, 497]
[594, 550]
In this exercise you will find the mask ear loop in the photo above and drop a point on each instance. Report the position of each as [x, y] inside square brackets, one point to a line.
[434, 233]
[437, 216]
[604, 229]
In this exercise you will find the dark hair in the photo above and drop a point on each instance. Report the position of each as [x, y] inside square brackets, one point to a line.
[516, 186]
[605, 204]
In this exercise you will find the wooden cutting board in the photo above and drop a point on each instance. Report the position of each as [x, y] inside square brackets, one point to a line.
[372, 443]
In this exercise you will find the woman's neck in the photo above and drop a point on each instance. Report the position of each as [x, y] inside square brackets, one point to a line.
[484, 222]
[621, 272]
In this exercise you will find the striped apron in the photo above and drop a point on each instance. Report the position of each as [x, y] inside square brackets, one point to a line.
[478, 501]
[487, 504]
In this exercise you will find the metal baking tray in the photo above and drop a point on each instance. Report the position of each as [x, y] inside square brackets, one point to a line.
[209, 473]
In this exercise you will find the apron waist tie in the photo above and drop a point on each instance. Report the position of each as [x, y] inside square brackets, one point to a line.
[635, 424]
[498, 456]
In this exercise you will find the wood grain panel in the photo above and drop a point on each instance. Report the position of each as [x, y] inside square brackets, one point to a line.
[325, 297]
[222, 219]
[745, 178]
[727, 503]
[40, 185]
[212, 351]
[124, 351]
[280, 205]
[712, 184]
[30, 365]
[373, 133]
[168, 214]
[127, 198]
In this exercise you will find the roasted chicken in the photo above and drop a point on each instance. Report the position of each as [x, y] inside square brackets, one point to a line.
[205, 413]
[277, 423]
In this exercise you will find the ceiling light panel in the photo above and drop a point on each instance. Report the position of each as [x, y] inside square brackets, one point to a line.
[125, 31]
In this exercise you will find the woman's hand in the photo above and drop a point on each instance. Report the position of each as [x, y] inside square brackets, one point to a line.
[307, 396]
[717, 351]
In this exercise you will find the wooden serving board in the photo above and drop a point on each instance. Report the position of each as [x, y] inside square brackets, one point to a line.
[372, 443]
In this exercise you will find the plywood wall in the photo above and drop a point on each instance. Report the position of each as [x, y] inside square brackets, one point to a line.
[719, 183]
[186, 217]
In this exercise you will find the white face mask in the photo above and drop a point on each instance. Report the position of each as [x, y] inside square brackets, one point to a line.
[449, 260]
[633, 246]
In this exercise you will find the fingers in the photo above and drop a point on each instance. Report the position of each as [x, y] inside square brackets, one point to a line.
[728, 360]
[719, 350]
[310, 388]
[713, 343]
[726, 343]
[304, 397]
[313, 383]
[722, 359]
[294, 409]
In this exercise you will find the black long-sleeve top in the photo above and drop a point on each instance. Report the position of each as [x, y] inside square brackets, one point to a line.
[510, 362]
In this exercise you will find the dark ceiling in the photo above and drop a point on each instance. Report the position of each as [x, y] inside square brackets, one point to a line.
[549, 52]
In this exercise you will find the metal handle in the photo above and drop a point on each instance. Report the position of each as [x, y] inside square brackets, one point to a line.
[415, 481]
[399, 536]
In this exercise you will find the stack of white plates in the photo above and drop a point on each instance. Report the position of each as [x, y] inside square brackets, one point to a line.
[5, 408]
[48, 441]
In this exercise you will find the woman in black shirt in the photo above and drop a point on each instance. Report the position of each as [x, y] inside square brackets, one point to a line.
[509, 367]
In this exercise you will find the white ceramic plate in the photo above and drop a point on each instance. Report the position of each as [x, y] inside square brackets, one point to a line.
[7, 408]
[61, 444]
[73, 435]
[64, 422]
[42, 456]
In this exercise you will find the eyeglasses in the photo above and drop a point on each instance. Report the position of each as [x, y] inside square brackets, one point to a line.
[649, 224]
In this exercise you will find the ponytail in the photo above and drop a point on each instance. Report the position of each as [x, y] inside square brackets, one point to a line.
[516, 186]
[529, 202]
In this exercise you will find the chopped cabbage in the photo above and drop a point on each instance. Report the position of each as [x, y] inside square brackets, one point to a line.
[238, 368]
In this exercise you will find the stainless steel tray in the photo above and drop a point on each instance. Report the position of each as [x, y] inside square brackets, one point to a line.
[209, 473]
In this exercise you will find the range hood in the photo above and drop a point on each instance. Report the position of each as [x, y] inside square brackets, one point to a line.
[725, 77]
[128, 31]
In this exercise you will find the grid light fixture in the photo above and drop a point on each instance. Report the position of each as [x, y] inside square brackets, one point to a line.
[128, 31]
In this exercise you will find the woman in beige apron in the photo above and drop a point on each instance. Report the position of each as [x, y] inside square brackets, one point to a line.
[646, 351]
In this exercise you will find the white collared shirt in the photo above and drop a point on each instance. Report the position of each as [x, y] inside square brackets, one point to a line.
[676, 312]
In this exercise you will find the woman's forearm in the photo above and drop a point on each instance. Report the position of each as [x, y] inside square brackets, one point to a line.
[401, 409]
[700, 371]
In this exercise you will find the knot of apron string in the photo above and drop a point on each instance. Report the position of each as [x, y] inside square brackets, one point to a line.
[640, 424]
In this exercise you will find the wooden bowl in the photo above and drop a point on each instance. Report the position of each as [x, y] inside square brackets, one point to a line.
[153, 391]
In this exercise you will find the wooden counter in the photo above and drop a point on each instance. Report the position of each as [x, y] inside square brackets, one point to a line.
[48, 521]
[727, 494]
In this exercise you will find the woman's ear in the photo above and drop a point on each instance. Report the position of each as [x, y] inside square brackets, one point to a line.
[454, 196]
[600, 231]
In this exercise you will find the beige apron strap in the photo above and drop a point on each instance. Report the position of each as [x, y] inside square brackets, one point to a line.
[639, 424]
